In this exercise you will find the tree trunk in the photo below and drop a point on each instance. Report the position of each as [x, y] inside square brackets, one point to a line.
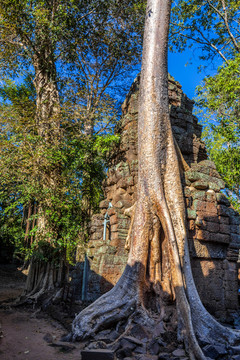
[159, 256]
[44, 276]
[48, 125]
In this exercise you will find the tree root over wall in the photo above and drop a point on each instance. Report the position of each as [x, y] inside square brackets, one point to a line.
[159, 261]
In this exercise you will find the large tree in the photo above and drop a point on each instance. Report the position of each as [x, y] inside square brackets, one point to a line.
[158, 238]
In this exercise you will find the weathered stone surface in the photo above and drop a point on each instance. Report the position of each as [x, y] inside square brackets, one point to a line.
[234, 220]
[201, 184]
[213, 227]
[191, 214]
[207, 250]
[200, 195]
[220, 238]
[207, 163]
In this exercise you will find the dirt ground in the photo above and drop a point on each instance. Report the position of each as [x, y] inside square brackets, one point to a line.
[26, 334]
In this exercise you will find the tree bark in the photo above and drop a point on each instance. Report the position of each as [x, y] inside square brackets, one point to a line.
[159, 257]
[47, 102]
[48, 124]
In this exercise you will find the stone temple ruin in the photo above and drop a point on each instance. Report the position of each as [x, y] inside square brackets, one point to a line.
[213, 225]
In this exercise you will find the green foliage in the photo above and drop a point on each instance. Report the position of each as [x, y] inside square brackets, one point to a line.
[24, 155]
[226, 156]
[56, 136]
[210, 25]
[218, 99]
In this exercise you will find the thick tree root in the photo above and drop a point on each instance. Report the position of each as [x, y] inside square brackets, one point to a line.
[118, 304]
[205, 325]
[44, 283]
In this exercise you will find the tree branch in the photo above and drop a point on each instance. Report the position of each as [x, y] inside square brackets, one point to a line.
[225, 19]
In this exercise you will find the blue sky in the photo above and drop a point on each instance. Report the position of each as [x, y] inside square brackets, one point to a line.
[184, 68]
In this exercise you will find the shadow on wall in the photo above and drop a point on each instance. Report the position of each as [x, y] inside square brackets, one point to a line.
[215, 270]
[86, 284]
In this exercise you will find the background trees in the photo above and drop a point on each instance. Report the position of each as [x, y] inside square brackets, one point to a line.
[57, 127]
[212, 26]
[218, 98]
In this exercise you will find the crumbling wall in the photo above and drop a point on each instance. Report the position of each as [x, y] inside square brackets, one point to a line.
[213, 225]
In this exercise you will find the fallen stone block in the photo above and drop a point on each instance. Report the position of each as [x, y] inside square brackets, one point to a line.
[99, 354]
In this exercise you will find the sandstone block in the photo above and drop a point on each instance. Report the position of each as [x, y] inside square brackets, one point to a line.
[191, 225]
[178, 130]
[188, 201]
[208, 163]
[220, 238]
[115, 242]
[113, 219]
[202, 235]
[213, 227]
[104, 204]
[191, 214]
[122, 236]
[234, 220]
[124, 223]
[114, 228]
[112, 250]
[114, 235]
[216, 185]
[224, 220]
[199, 205]
[201, 184]
[214, 173]
[235, 238]
[193, 175]
[223, 210]
[199, 195]
[211, 218]
[119, 204]
[111, 211]
[201, 169]
[97, 236]
[224, 228]
[235, 229]
[211, 208]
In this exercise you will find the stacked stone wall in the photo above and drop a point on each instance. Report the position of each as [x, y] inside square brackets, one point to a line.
[213, 225]
[213, 232]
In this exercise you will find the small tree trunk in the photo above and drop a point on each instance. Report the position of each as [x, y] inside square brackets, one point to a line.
[28, 224]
